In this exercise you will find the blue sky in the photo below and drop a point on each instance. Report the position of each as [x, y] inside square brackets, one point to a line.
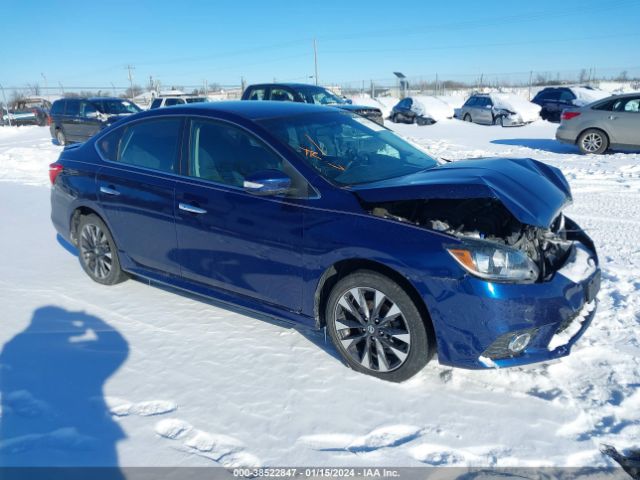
[88, 44]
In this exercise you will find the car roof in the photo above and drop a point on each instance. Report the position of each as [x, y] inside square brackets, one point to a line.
[250, 110]
[91, 99]
[284, 84]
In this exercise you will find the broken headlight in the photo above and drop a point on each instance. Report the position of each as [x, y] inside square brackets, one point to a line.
[495, 262]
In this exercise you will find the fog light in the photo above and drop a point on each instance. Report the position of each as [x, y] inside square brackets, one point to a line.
[519, 342]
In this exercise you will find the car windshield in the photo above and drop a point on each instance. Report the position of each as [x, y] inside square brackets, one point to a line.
[116, 107]
[348, 149]
[320, 95]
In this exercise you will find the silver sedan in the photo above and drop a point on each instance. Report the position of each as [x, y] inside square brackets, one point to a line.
[610, 123]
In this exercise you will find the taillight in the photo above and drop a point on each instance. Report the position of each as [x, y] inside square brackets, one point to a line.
[54, 170]
[569, 115]
[49, 120]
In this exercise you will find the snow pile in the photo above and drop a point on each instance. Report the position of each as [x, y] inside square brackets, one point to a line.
[432, 107]
[529, 112]
[25, 154]
[585, 96]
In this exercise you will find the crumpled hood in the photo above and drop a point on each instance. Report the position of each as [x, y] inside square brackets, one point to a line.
[532, 191]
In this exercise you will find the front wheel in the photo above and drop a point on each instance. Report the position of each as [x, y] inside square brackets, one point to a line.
[593, 141]
[467, 118]
[499, 121]
[376, 327]
[98, 252]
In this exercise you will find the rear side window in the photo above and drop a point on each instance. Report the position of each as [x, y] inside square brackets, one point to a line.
[73, 108]
[173, 101]
[149, 144]
[257, 94]
[471, 102]
[279, 94]
[58, 107]
[566, 96]
[156, 103]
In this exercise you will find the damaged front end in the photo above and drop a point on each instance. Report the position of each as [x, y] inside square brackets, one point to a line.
[491, 234]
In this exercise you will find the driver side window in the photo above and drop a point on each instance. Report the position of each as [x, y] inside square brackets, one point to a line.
[226, 154]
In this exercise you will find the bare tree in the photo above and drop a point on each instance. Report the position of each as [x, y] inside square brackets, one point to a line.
[133, 91]
[583, 76]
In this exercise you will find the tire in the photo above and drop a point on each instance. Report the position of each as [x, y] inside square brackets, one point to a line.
[60, 137]
[97, 251]
[593, 141]
[394, 118]
[467, 118]
[421, 121]
[403, 338]
[499, 121]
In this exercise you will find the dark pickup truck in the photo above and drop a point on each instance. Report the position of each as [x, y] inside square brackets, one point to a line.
[304, 93]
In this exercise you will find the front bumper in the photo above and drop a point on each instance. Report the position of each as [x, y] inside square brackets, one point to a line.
[475, 320]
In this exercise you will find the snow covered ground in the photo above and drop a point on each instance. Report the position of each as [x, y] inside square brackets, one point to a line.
[139, 375]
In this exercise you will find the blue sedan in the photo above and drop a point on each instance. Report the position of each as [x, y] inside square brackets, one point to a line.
[322, 217]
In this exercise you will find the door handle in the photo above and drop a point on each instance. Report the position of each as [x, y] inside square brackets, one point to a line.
[612, 117]
[109, 191]
[191, 209]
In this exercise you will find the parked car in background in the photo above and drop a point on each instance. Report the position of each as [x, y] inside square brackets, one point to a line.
[78, 119]
[304, 93]
[160, 102]
[422, 110]
[553, 100]
[27, 111]
[322, 217]
[507, 110]
[610, 123]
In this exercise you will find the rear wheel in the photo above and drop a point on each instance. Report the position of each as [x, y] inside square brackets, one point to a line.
[394, 118]
[421, 121]
[98, 252]
[593, 141]
[60, 137]
[467, 118]
[376, 327]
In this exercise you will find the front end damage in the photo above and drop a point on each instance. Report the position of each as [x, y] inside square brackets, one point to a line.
[491, 324]
[486, 219]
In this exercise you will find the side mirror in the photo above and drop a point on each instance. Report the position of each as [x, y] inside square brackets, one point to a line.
[348, 100]
[267, 182]
[92, 114]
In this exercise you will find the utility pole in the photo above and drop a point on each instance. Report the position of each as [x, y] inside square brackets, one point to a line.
[46, 85]
[61, 88]
[315, 59]
[530, 80]
[129, 68]
[113, 87]
[4, 100]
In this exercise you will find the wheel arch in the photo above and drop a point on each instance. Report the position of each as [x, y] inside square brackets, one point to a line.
[345, 267]
[74, 221]
[606, 134]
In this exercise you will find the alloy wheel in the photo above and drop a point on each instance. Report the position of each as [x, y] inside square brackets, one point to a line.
[372, 329]
[592, 142]
[96, 251]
